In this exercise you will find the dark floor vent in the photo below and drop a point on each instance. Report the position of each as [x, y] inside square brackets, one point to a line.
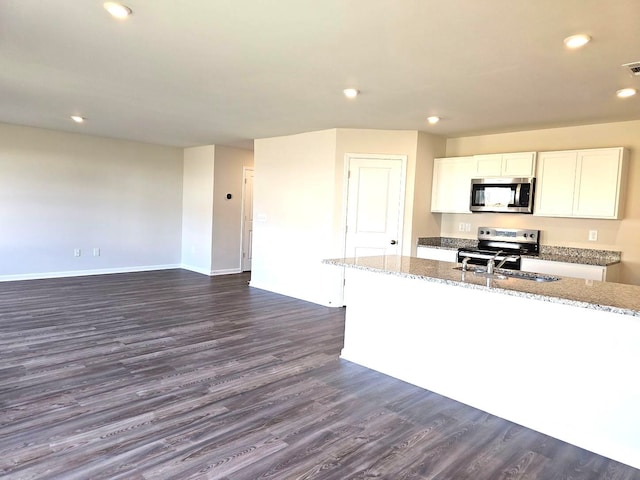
[634, 68]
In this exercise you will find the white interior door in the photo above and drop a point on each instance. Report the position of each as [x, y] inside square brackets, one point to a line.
[375, 205]
[247, 222]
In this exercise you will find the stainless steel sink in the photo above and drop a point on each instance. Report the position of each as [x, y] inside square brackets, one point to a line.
[503, 274]
[537, 277]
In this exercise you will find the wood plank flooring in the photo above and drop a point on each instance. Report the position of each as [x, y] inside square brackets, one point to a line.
[175, 375]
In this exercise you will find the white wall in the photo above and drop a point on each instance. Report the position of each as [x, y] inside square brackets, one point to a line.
[294, 192]
[391, 142]
[61, 191]
[425, 224]
[211, 223]
[197, 208]
[420, 148]
[299, 193]
[227, 214]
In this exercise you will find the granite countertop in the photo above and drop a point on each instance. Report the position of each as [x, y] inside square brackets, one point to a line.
[584, 256]
[606, 296]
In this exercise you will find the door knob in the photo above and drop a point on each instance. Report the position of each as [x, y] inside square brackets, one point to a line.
[393, 242]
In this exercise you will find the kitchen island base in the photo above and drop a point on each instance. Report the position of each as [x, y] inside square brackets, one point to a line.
[562, 370]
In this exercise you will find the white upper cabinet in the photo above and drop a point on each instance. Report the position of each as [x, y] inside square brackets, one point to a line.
[581, 183]
[521, 164]
[555, 182]
[451, 188]
[452, 176]
[600, 180]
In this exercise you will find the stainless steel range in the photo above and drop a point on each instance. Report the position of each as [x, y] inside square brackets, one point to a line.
[501, 248]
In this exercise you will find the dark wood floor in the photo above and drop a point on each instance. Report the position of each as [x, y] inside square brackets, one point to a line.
[174, 375]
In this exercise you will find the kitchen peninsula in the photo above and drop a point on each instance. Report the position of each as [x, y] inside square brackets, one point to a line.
[558, 357]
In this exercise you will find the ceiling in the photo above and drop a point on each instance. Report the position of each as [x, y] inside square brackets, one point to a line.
[199, 72]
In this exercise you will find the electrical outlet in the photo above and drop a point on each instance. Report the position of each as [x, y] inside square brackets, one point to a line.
[461, 227]
[77, 252]
[467, 227]
[96, 252]
[593, 235]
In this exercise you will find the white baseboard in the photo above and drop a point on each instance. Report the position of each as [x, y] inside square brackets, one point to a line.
[82, 273]
[211, 273]
[107, 271]
[227, 271]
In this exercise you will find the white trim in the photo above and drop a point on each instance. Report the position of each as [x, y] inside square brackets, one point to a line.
[82, 273]
[211, 273]
[226, 271]
[244, 185]
[108, 271]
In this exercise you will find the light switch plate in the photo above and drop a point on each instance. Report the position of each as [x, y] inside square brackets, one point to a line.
[593, 235]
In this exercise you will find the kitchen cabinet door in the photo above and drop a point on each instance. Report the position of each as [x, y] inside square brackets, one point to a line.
[520, 164]
[488, 165]
[581, 183]
[600, 175]
[451, 188]
[555, 184]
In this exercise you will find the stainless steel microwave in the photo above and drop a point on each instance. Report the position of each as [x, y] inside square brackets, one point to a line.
[502, 194]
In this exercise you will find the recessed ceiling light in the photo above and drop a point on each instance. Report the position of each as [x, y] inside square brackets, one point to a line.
[433, 120]
[350, 92]
[577, 41]
[77, 118]
[626, 92]
[117, 9]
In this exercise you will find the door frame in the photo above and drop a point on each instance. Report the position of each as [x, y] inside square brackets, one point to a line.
[244, 186]
[345, 194]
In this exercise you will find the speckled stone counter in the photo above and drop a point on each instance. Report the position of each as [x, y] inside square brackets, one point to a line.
[583, 256]
[605, 296]
[447, 242]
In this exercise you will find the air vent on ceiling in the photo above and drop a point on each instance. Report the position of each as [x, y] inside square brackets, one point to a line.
[634, 68]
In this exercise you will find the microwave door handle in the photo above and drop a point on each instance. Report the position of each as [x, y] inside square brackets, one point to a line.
[517, 197]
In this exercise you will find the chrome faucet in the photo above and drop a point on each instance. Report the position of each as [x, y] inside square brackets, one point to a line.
[505, 259]
[465, 261]
[491, 263]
